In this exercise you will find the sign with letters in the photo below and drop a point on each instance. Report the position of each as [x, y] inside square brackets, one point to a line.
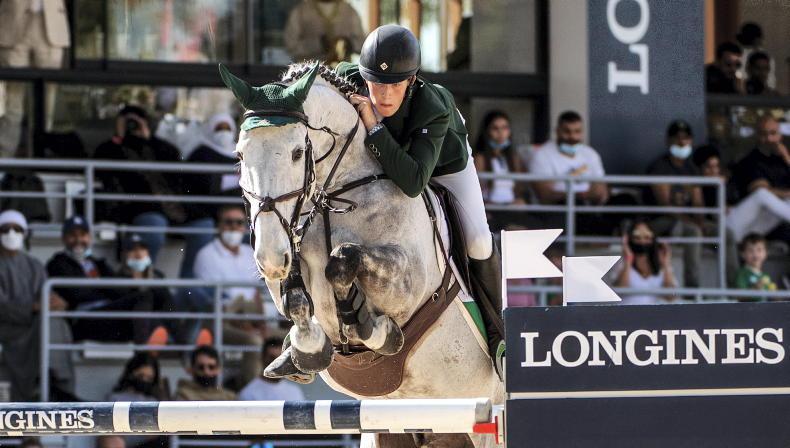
[646, 68]
[653, 373]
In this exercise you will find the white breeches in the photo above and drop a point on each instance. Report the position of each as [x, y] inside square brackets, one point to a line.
[759, 212]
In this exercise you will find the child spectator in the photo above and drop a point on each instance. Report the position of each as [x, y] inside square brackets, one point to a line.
[751, 276]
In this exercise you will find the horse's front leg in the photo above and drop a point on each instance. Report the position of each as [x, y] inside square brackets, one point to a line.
[356, 272]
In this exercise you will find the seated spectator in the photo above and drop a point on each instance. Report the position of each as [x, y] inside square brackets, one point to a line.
[751, 276]
[218, 143]
[110, 442]
[27, 180]
[228, 258]
[645, 264]
[758, 68]
[721, 76]
[568, 156]
[766, 169]
[204, 385]
[137, 264]
[140, 381]
[750, 38]
[677, 162]
[262, 388]
[133, 142]
[326, 30]
[21, 280]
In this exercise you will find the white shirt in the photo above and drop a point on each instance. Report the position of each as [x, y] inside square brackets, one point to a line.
[635, 280]
[501, 189]
[259, 389]
[548, 160]
[216, 262]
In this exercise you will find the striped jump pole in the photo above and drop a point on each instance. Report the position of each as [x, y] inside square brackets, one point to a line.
[248, 417]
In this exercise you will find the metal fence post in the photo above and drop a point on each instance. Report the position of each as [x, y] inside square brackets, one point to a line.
[720, 189]
[218, 326]
[90, 208]
[570, 218]
[44, 368]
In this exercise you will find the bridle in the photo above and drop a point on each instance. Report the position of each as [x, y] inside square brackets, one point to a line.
[319, 196]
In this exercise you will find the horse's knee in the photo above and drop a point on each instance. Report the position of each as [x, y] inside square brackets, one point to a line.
[344, 264]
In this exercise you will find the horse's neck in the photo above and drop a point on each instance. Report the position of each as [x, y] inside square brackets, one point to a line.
[338, 115]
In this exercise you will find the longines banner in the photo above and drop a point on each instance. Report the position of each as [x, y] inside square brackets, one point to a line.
[664, 375]
[646, 68]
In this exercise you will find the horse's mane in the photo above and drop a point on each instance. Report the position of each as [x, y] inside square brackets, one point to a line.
[341, 84]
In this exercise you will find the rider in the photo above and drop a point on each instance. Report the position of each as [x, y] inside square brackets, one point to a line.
[417, 134]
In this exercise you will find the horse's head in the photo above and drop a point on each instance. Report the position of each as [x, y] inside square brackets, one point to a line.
[277, 151]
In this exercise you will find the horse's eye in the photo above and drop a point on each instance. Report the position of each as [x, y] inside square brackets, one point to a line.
[297, 154]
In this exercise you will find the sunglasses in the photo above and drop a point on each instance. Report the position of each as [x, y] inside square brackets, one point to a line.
[9, 227]
[233, 222]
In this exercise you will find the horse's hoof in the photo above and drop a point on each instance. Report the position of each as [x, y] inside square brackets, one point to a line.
[283, 367]
[393, 339]
[313, 362]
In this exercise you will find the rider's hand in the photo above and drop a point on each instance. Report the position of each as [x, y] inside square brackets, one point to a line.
[365, 109]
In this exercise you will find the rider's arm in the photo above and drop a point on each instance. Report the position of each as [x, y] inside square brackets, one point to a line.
[410, 166]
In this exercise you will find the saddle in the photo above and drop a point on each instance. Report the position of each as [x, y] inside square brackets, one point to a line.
[384, 374]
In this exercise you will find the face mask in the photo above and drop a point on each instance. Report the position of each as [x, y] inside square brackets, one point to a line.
[569, 149]
[13, 240]
[206, 381]
[680, 152]
[232, 238]
[138, 265]
[225, 139]
[639, 248]
[80, 252]
[142, 386]
[498, 146]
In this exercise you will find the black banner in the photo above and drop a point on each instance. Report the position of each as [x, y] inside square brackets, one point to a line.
[646, 68]
[616, 348]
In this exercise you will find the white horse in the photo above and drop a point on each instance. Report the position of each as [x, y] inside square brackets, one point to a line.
[386, 247]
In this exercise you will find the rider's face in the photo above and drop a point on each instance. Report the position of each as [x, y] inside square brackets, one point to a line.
[387, 98]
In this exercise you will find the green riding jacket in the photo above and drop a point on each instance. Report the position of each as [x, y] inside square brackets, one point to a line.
[425, 138]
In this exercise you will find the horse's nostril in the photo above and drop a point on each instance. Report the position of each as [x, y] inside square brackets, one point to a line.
[286, 259]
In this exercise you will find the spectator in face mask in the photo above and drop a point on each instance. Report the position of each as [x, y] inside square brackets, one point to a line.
[204, 385]
[263, 388]
[21, 279]
[677, 162]
[76, 260]
[218, 142]
[645, 264]
[227, 257]
[140, 381]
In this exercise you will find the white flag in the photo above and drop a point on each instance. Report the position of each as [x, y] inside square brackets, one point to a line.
[582, 279]
[522, 254]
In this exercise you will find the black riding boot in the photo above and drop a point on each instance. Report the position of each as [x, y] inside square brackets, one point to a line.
[487, 288]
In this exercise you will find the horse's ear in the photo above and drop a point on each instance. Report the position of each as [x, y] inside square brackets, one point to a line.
[243, 91]
[300, 88]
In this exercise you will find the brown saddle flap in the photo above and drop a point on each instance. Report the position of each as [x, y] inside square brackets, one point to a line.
[369, 374]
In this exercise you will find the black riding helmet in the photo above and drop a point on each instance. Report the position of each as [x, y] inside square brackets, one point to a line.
[390, 54]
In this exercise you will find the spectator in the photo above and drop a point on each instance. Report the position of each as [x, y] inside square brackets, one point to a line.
[76, 260]
[21, 279]
[133, 142]
[326, 30]
[721, 76]
[35, 34]
[110, 442]
[750, 38]
[218, 144]
[677, 162]
[140, 381]
[494, 153]
[262, 388]
[766, 169]
[205, 368]
[568, 156]
[758, 68]
[751, 276]
[227, 258]
[137, 265]
[646, 264]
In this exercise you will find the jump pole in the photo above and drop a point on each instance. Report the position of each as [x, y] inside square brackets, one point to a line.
[248, 417]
